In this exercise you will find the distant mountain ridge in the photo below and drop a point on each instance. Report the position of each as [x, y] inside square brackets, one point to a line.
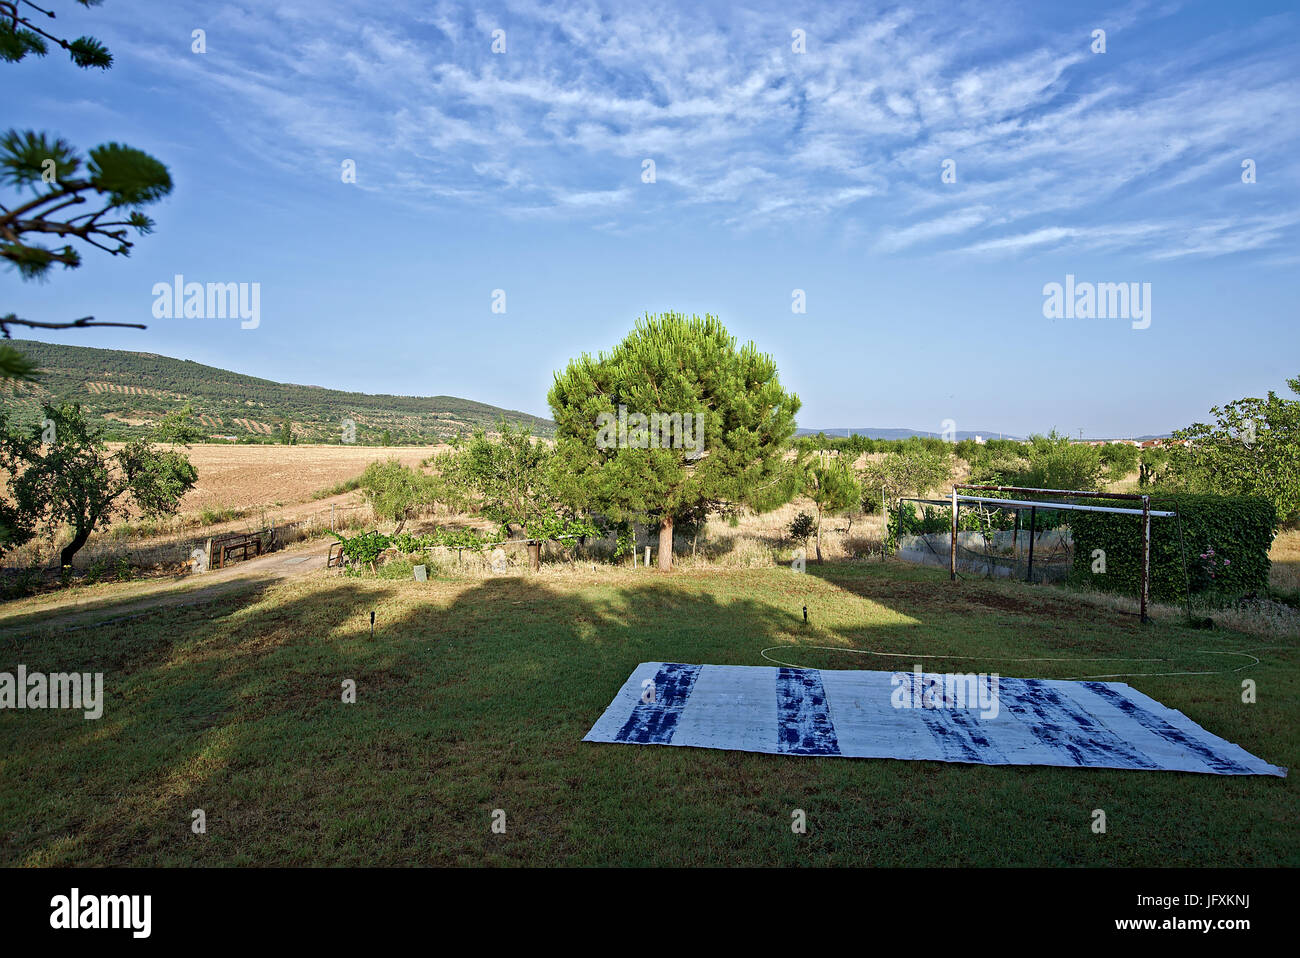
[877, 432]
[129, 391]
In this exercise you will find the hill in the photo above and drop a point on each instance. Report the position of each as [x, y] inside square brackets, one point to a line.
[129, 391]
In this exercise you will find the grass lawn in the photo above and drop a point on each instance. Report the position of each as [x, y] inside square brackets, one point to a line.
[475, 693]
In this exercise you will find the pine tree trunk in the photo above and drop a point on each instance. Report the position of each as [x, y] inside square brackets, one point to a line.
[666, 543]
[819, 537]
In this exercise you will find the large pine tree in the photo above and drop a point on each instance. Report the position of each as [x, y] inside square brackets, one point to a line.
[627, 449]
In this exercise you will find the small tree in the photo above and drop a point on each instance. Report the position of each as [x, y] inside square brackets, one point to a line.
[830, 484]
[1057, 463]
[1251, 448]
[506, 476]
[395, 491]
[904, 473]
[801, 528]
[74, 481]
[910, 470]
[1119, 458]
[621, 429]
[178, 428]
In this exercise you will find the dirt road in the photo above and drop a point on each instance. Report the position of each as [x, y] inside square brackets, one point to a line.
[130, 600]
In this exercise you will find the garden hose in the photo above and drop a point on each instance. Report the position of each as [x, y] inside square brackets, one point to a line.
[997, 658]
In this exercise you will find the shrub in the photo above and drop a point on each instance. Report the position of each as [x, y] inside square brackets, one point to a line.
[802, 526]
[1119, 458]
[1237, 530]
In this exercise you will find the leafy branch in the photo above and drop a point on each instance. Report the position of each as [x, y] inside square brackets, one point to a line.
[117, 181]
[21, 35]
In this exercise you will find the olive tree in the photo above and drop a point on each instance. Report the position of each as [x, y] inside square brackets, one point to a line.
[62, 475]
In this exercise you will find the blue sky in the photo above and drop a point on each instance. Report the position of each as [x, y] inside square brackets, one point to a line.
[774, 171]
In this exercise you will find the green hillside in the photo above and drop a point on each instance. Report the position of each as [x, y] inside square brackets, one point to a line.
[130, 391]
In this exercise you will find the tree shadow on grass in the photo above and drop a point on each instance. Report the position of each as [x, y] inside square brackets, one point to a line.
[219, 706]
[474, 696]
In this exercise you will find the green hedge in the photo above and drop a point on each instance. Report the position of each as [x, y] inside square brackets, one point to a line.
[1237, 530]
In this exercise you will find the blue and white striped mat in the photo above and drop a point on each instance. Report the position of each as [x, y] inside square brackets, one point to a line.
[856, 714]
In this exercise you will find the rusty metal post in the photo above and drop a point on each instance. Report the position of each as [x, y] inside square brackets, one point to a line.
[1033, 519]
[534, 555]
[884, 508]
[952, 546]
[1146, 554]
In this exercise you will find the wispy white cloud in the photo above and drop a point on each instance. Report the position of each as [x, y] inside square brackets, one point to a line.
[1054, 145]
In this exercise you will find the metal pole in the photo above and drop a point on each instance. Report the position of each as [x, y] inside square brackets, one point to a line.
[884, 508]
[1068, 493]
[1146, 554]
[1033, 519]
[952, 546]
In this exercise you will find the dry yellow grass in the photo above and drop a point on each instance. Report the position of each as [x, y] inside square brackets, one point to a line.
[1285, 574]
[240, 477]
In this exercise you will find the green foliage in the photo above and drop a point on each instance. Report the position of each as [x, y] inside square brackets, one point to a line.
[1238, 529]
[673, 365]
[211, 516]
[25, 157]
[1002, 469]
[802, 527]
[850, 446]
[20, 37]
[829, 482]
[908, 472]
[1057, 463]
[1044, 462]
[1251, 449]
[149, 387]
[552, 525]
[15, 367]
[997, 461]
[905, 521]
[1153, 467]
[625, 539]
[1119, 458]
[505, 477]
[396, 491]
[16, 527]
[74, 481]
[179, 427]
[127, 177]
[366, 548]
[119, 180]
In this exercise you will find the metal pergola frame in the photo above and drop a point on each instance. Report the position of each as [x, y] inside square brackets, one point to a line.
[1145, 512]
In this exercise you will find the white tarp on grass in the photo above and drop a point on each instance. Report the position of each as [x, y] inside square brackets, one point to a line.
[857, 714]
